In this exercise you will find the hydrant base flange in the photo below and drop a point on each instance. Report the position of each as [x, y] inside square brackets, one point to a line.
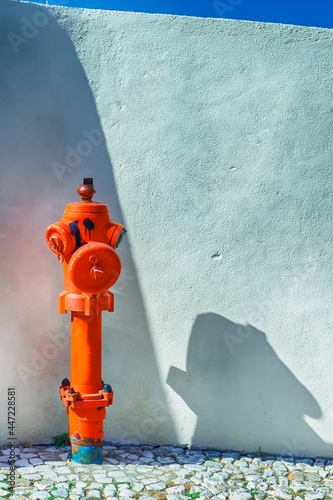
[87, 455]
[83, 454]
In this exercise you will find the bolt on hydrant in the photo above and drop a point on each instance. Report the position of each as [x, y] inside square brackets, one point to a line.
[85, 241]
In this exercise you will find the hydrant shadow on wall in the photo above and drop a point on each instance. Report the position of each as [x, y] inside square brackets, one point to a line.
[85, 241]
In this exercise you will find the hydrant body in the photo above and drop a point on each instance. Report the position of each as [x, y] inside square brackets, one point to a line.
[85, 241]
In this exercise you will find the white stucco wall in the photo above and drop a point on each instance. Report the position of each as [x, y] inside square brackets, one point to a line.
[216, 154]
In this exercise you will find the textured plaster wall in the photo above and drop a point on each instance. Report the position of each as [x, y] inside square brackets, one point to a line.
[211, 140]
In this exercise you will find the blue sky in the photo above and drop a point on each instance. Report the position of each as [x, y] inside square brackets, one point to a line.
[303, 12]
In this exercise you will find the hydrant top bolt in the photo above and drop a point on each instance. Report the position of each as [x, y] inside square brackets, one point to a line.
[87, 189]
[65, 382]
[88, 180]
[107, 388]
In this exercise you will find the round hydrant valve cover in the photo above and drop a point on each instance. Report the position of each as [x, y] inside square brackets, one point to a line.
[94, 267]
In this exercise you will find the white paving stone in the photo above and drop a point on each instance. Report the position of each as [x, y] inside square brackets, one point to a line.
[7, 451]
[212, 489]
[35, 461]
[77, 491]
[73, 477]
[137, 486]
[26, 470]
[62, 470]
[110, 488]
[262, 486]
[202, 491]
[59, 479]
[156, 486]
[176, 490]
[94, 494]
[60, 493]
[27, 455]
[116, 474]
[315, 496]
[24, 462]
[40, 495]
[63, 485]
[49, 475]
[112, 460]
[235, 495]
[43, 484]
[95, 486]
[281, 494]
[32, 477]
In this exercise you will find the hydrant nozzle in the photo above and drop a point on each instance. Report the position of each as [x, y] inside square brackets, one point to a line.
[85, 241]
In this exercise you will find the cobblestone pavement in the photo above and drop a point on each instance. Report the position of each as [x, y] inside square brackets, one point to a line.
[164, 472]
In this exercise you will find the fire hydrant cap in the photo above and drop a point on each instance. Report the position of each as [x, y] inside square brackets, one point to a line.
[78, 207]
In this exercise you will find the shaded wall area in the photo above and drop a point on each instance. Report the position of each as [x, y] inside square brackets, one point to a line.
[51, 137]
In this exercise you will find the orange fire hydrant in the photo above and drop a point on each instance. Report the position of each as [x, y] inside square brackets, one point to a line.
[85, 241]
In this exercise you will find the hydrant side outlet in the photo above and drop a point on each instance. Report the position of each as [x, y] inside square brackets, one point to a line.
[85, 241]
